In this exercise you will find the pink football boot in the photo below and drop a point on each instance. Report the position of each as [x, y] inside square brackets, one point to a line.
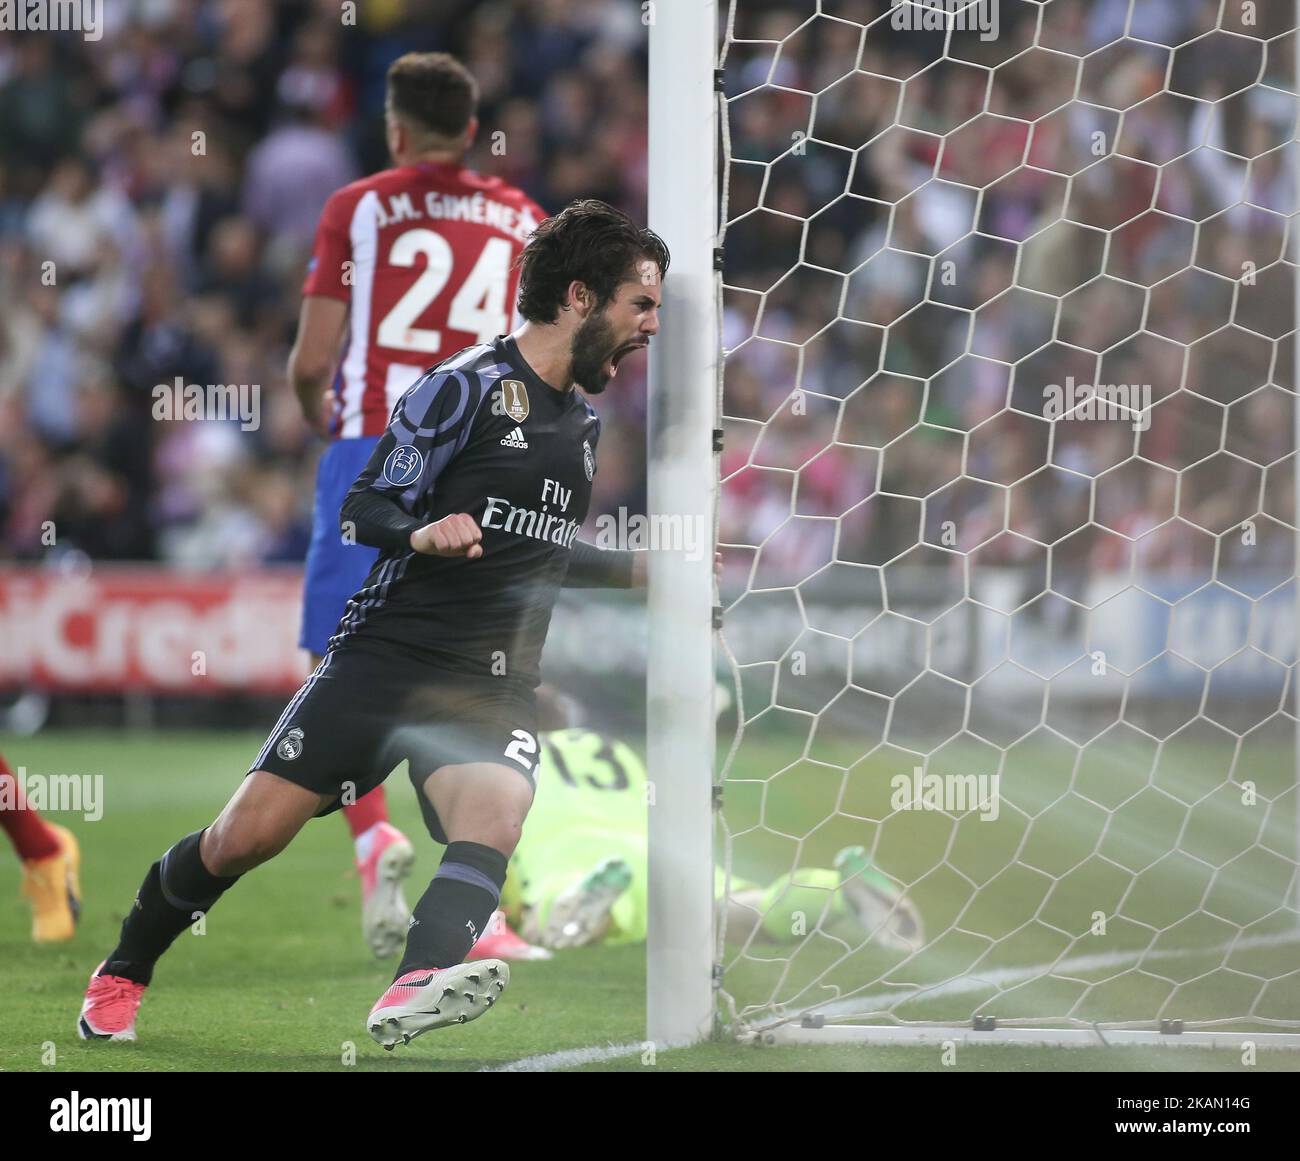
[384, 913]
[434, 997]
[499, 942]
[108, 1011]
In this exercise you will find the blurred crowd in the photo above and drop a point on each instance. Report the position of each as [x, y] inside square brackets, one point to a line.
[917, 248]
[159, 191]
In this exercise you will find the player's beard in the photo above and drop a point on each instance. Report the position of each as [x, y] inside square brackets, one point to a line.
[593, 344]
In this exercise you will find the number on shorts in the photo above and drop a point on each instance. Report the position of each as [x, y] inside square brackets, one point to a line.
[522, 749]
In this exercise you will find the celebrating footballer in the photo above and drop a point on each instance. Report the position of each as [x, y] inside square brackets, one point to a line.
[473, 497]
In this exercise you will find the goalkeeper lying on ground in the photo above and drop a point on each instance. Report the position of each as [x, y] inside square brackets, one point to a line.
[579, 876]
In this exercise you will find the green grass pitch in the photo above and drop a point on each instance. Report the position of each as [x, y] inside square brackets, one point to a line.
[281, 981]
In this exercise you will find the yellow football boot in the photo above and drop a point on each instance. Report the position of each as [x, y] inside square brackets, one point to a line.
[53, 886]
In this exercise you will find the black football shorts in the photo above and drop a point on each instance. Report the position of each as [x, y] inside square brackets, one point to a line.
[361, 713]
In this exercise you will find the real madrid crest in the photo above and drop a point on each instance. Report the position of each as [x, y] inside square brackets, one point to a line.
[588, 460]
[514, 398]
[290, 745]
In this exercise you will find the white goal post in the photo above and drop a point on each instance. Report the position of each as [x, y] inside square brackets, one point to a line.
[1010, 660]
[682, 484]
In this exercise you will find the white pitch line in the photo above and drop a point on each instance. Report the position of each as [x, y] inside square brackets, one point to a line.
[865, 1005]
[569, 1058]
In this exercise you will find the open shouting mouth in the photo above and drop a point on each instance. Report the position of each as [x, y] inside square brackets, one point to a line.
[611, 364]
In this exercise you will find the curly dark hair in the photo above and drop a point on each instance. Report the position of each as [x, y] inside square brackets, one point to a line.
[590, 242]
[434, 90]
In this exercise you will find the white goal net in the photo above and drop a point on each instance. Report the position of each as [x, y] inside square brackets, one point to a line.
[1008, 513]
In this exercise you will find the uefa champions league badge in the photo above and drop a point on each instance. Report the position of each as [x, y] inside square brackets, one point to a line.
[588, 460]
[403, 466]
[290, 745]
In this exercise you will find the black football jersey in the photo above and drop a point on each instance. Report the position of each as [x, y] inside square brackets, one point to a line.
[479, 433]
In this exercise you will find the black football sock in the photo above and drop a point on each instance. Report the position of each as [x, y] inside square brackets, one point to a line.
[455, 909]
[177, 886]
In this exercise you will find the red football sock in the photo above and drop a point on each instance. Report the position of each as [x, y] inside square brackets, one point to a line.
[366, 811]
[32, 836]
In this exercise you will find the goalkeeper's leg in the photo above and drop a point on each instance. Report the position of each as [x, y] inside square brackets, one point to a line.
[568, 910]
[852, 899]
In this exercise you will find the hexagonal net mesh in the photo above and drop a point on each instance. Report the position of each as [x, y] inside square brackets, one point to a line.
[1008, 514]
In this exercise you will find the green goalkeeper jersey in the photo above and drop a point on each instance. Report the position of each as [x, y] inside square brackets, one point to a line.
[590, 806]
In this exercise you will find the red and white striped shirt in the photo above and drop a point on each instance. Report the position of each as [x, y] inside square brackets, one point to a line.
[424, 256]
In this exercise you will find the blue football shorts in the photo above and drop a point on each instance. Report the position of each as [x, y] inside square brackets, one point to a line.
[335, 570]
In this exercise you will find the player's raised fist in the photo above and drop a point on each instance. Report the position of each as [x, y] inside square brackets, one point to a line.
[454, 535]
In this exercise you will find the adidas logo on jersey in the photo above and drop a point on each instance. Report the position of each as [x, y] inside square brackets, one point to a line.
[516, 439]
